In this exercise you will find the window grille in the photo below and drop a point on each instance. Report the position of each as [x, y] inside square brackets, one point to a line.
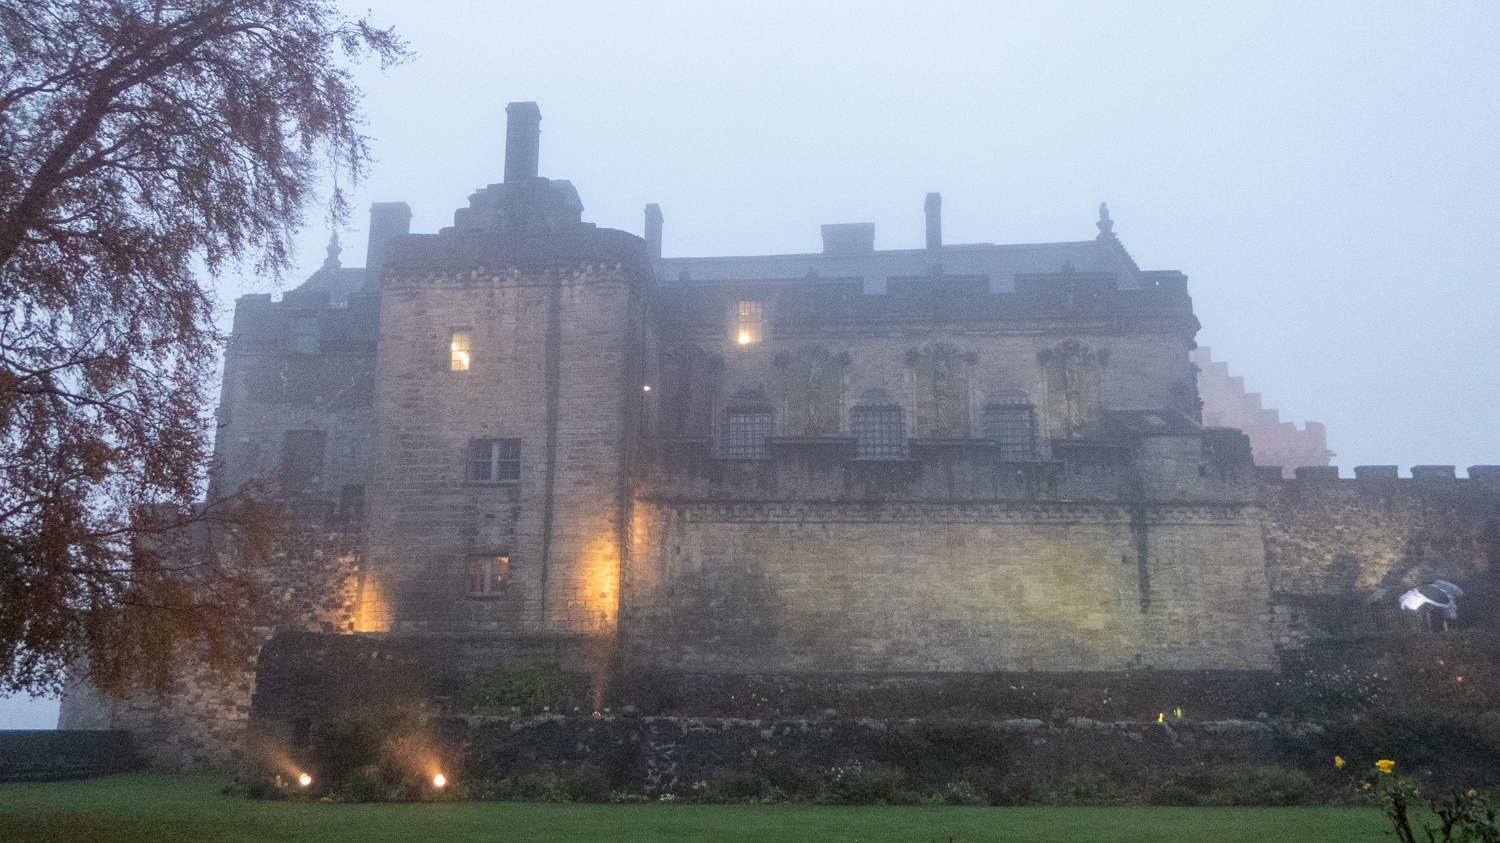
[487, 575]
[749, 323]
[880, 431]
[745, 434]
[458, 352]
[494, 460]
[1013, 428]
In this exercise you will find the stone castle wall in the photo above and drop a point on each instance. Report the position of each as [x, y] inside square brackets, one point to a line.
[555, 363]
[200, 722]
[816, 587]
[296, 409]
[1332, 543]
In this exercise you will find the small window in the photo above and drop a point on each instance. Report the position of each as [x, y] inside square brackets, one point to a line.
[880, 432]
[745, 434]
[458, 352]
[749, 323]
[494, 460]
[305, 335]
[1013, 428]
[487, 575]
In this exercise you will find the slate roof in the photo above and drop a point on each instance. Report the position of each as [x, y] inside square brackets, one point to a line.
[998, 264]
[337, 282]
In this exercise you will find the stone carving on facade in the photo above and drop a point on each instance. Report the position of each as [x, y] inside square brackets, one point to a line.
[1074, 376]
[811, 381]
[941, 372]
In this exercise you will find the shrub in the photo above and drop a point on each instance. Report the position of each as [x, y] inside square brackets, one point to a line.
[529, 689]
[1173, 795]
[961, 793]
[855, 783]
[1259, 785]
[587, 783]
[364, 784]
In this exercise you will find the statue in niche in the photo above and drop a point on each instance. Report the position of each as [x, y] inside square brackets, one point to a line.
[811, 383]
[1075, 377]
[941, 372]
[689, 381]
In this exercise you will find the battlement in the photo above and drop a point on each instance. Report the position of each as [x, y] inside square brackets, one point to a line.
[1480, 476]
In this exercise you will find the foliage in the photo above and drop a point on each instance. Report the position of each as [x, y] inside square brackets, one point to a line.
[1259, 785]
[857, 783]
[136, 139]
[530, 689]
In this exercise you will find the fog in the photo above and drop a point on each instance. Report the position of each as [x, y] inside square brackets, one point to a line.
[1326, 176]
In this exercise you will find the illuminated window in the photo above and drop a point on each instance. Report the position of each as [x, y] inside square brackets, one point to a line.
[745, 434]
[494, 460]
[487, 575]
[880, 432]
[458, 352]
[749, 323]
[1012, 427]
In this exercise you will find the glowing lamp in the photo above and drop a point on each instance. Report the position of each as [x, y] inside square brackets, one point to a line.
[304, 780]
[439, 781]
[744, 337]
[646, 388]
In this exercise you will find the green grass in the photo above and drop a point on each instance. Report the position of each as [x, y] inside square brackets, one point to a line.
[177, 807]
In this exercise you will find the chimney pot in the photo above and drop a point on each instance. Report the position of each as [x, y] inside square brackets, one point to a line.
[523, 129]
[653, 231]
[388, 220]
[934, 208]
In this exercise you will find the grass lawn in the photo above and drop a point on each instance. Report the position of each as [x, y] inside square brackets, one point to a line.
[155, 807]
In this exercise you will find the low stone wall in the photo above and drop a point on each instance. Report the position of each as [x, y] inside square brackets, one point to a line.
[49, 755]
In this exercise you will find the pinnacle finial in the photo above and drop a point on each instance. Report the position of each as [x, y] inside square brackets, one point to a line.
[332, 261]
[1106, 225]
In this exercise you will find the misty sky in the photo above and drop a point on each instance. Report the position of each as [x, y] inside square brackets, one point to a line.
[1325, 174]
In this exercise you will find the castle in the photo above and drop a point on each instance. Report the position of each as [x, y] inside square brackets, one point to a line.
[542, 440]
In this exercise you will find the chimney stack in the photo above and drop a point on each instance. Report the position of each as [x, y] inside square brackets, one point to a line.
[523, 129]
[653, 231]
[388, 220]
[934, 208]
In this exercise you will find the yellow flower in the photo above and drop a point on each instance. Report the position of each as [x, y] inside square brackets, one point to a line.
[1367, 785]
[1338, 761]
[1473, 793]
[1385, 765]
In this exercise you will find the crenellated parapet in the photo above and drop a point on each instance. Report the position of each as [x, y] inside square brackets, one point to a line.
[1339, 551]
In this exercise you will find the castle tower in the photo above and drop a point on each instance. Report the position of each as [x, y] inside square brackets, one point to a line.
[510, 374]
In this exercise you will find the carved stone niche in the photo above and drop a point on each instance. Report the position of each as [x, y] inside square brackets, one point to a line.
[810, 381]
[1075, 379]
[941, 373]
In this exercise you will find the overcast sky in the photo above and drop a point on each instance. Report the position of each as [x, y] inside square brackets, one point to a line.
[1324, 173]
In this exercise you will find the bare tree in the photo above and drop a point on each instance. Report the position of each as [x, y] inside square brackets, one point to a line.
[138, 137]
